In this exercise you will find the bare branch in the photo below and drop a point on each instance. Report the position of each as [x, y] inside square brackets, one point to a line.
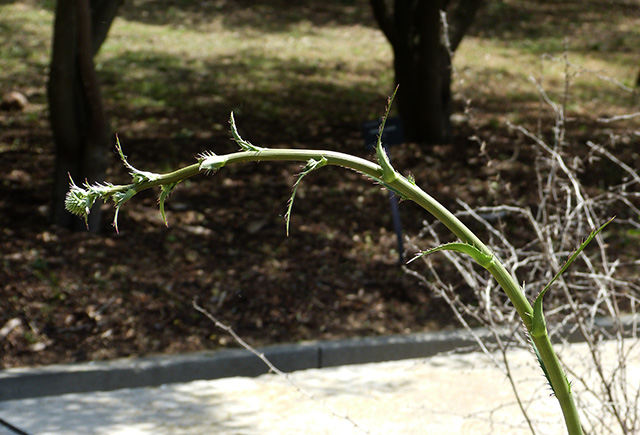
[272, 367]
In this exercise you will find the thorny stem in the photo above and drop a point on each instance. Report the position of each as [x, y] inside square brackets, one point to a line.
[408, 190]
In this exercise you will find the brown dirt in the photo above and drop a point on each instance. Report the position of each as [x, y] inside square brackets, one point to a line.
[81, 296]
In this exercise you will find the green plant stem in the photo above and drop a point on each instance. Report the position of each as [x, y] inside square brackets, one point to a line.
[408, 190]
[508, 283]
[504, 278]
[333, 158]
[558, 380]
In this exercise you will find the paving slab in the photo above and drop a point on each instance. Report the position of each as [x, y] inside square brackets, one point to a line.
[443, 394]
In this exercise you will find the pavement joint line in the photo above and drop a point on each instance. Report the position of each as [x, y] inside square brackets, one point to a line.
[53, 380]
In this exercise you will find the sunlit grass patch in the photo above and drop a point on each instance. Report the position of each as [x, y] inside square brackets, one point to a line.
[25, 33]
[332, 64]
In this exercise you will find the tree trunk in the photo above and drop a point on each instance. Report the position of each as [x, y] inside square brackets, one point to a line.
[78, 122]
[422, 62]
[419, 64]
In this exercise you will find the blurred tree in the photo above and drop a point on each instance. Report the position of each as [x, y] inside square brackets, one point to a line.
[76, 111]
[422, 62]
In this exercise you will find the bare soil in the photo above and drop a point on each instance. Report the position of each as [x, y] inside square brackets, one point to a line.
[82, 296]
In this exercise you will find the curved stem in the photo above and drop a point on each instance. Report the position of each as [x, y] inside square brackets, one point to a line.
[497, 269]
[409, 190]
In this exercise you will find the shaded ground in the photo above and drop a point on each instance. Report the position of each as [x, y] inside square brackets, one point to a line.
[82, 296]
[85, 296]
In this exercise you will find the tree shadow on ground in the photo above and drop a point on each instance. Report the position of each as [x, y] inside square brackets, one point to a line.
[542, 26]
[272, 16]
[268, 95]
[168, 409]
[19, 43]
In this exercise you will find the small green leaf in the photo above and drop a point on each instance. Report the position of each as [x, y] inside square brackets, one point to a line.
[311, 165]
[484, 260]
[395, 191]
[539, 325]
[137, 175]
[120, 198]
[165, 191]
[389, 174]
[245, 145]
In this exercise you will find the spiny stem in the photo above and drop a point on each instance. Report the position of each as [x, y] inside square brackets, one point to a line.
[403, 186]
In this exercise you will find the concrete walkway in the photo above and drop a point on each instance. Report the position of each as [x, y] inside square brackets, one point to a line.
[449, 394]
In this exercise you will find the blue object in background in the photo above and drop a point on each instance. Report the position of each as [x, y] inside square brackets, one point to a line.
[393, 134]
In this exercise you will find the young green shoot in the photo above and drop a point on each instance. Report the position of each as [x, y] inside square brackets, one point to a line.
[312, 165]
[80, 199]
[539, 326]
